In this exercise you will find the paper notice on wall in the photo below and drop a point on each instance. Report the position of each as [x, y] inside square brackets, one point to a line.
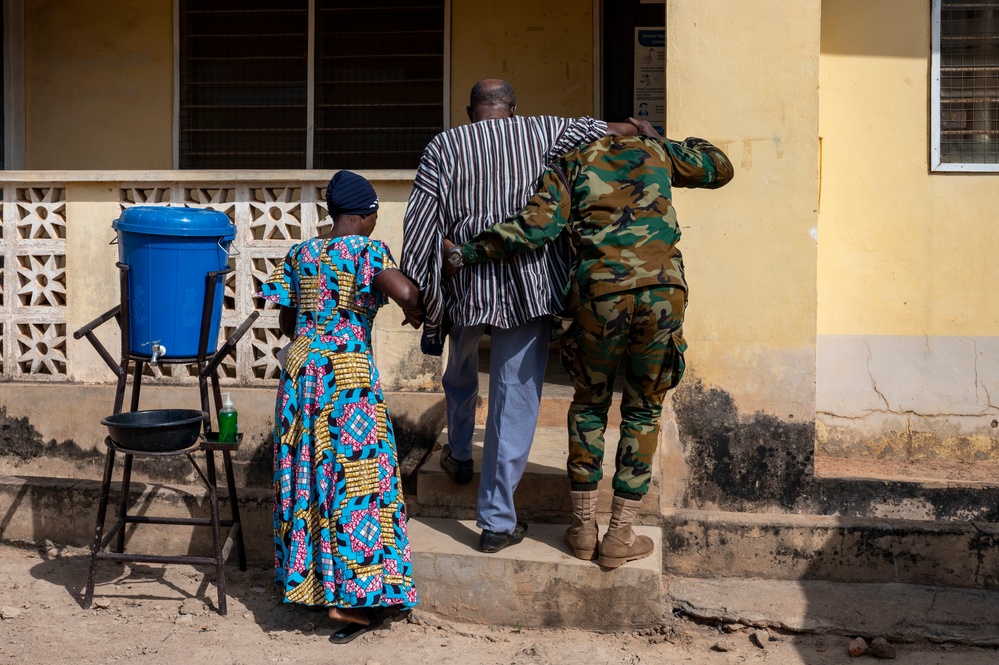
[650, 74]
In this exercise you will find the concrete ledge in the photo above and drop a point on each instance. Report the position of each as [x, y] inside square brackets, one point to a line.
[792, 547]
[61, 435]
[537, 583]
[65, 512]
[898, 612]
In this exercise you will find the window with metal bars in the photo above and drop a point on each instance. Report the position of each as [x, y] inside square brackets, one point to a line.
[245, 67]
[965, 91]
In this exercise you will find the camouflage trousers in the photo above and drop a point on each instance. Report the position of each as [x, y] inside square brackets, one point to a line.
[640, 332]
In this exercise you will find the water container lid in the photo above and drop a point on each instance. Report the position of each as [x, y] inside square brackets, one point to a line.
[169, 221]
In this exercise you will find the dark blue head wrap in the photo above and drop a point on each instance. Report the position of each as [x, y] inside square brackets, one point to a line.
[350, 194]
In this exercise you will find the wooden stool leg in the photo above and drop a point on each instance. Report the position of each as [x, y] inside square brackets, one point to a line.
[102, 509]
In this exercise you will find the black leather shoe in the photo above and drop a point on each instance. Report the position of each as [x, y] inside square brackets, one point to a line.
[460, 472]
[494, 541]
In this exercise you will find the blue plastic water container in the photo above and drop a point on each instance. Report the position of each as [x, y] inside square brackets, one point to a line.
[169, 253]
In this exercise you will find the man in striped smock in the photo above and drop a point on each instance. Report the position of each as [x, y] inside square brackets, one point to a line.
[469, 178]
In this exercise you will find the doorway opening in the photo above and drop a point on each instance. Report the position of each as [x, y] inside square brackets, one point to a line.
[633, 60]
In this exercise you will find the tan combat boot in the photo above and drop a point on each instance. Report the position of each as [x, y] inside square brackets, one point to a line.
[582, 535]
[621, 544]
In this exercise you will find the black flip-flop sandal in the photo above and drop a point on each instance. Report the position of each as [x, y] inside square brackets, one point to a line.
[350, 631]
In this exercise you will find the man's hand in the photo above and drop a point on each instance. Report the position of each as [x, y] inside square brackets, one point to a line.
[622, 128]
[414, 317]
[447, 269]
[645, 128]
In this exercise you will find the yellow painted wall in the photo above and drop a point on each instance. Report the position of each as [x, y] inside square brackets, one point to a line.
[745, 76]
[545, 49]
[903, 251]
[907, 322]
[109, 66]
[114, 58]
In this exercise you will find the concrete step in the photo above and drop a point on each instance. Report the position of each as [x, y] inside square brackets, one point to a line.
[825, 547]
[757, 553]
[897, 612]
[543, 493]
[535, 584]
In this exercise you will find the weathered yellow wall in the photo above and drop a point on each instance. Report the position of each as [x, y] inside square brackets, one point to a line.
[116, 57]
[545, 49]
[92, 201]
[99, 84]
[745, 76]
[905, 251]
[907, 323]
[92, 278]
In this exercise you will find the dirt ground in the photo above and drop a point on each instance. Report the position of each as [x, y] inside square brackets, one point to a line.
[153, 614]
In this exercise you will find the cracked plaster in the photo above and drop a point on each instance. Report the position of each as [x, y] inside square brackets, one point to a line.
[908, 397]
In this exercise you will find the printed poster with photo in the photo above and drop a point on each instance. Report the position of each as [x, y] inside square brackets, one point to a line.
[650, 73]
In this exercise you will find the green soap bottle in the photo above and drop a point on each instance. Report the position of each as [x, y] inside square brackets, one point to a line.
[227, 421]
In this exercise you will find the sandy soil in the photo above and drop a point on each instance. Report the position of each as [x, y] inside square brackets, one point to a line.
[153, 614]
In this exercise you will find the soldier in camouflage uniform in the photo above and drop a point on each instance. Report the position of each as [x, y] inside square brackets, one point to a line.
[613, 197]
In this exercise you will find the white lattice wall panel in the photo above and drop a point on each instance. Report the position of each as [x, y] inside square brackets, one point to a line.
[33, 283]
[269, 218]
[278, 215]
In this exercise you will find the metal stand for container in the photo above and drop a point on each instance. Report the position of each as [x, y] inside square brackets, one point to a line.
[208, 443]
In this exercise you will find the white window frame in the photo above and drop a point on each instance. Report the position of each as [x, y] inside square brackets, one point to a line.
[935, 164]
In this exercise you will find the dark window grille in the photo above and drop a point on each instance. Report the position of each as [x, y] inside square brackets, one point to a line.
[379, 82]
[969, 82]
[243, 84]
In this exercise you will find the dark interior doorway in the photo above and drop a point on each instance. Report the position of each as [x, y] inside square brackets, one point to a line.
[620, 21]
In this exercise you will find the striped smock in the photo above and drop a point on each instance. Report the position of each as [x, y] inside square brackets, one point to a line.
[469, 178]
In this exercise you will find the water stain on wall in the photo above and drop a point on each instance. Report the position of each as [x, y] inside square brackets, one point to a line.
[22, 446]
[760, 463]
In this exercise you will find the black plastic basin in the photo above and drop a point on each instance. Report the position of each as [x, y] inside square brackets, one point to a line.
[156, 430]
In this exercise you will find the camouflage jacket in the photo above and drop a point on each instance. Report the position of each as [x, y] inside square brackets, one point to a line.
[613, 197]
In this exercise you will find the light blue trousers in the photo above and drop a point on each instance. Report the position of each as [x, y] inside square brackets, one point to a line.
[517, 360]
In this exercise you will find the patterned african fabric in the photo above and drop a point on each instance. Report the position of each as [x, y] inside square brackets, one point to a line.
[469, 178]
[616, 202]
[340, 535]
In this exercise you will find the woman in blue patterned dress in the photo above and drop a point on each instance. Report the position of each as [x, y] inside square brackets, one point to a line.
[339, 520]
